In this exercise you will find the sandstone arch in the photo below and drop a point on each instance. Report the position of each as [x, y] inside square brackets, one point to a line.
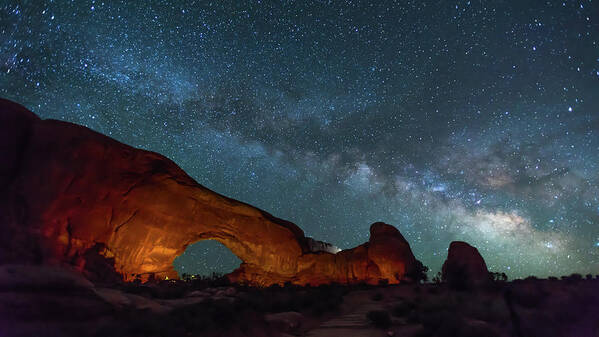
[70, 189]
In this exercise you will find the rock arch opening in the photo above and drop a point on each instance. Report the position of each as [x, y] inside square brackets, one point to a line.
[205, 258]
[139, 211]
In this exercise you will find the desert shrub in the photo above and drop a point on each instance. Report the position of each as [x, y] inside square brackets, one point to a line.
[379, 318]
[531, 278]
[419, 272]
[552, 278]
[575, 277]
[495, 285]
[377, 296]
[498, 277]
[168, 289]
[137, 289]
[438, 278]
[589, 276]
[199, 282]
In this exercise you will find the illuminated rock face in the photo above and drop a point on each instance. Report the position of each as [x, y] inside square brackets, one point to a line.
[386, 256]
[71, 190]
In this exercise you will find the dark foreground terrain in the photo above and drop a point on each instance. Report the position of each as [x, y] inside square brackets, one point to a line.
[45, 301]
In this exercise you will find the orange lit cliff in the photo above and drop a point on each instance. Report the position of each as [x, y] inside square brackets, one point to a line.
[69, 191]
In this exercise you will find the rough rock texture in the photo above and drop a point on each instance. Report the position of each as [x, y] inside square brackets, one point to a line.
[464, 265]
[75, 196]
[321, 246]
[386, 256]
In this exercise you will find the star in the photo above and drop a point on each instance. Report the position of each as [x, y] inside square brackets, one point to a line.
[334, 117]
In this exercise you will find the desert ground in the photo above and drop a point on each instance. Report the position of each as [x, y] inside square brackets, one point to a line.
[48, 301]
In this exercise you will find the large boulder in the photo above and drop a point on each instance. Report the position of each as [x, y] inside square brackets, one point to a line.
[75, 196]
[464, 266]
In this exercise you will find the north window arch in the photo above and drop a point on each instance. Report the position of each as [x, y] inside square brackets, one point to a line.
[206, 257]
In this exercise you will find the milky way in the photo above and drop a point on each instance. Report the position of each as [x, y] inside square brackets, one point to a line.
[452, 120]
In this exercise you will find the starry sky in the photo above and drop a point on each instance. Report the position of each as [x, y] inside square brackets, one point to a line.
[452, 120]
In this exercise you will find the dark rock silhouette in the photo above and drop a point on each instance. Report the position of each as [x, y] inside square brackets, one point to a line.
[73, 195]
[464, 266]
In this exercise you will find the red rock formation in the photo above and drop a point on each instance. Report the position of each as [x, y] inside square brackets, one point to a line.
[464, 265]
[71, 190]
[386, 256]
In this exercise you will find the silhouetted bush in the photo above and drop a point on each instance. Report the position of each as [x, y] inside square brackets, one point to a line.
[165, 289]
[498, 277]
[575, 277]
[552, 278]
[589, 276]
[419, 272]
[199, 282]
[379, 318]
[438, 278]
[497, 281]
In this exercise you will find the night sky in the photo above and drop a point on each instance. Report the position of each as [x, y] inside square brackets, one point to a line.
[452, 120]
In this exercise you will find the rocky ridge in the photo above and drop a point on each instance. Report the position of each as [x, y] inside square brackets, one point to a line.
[74, 196]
